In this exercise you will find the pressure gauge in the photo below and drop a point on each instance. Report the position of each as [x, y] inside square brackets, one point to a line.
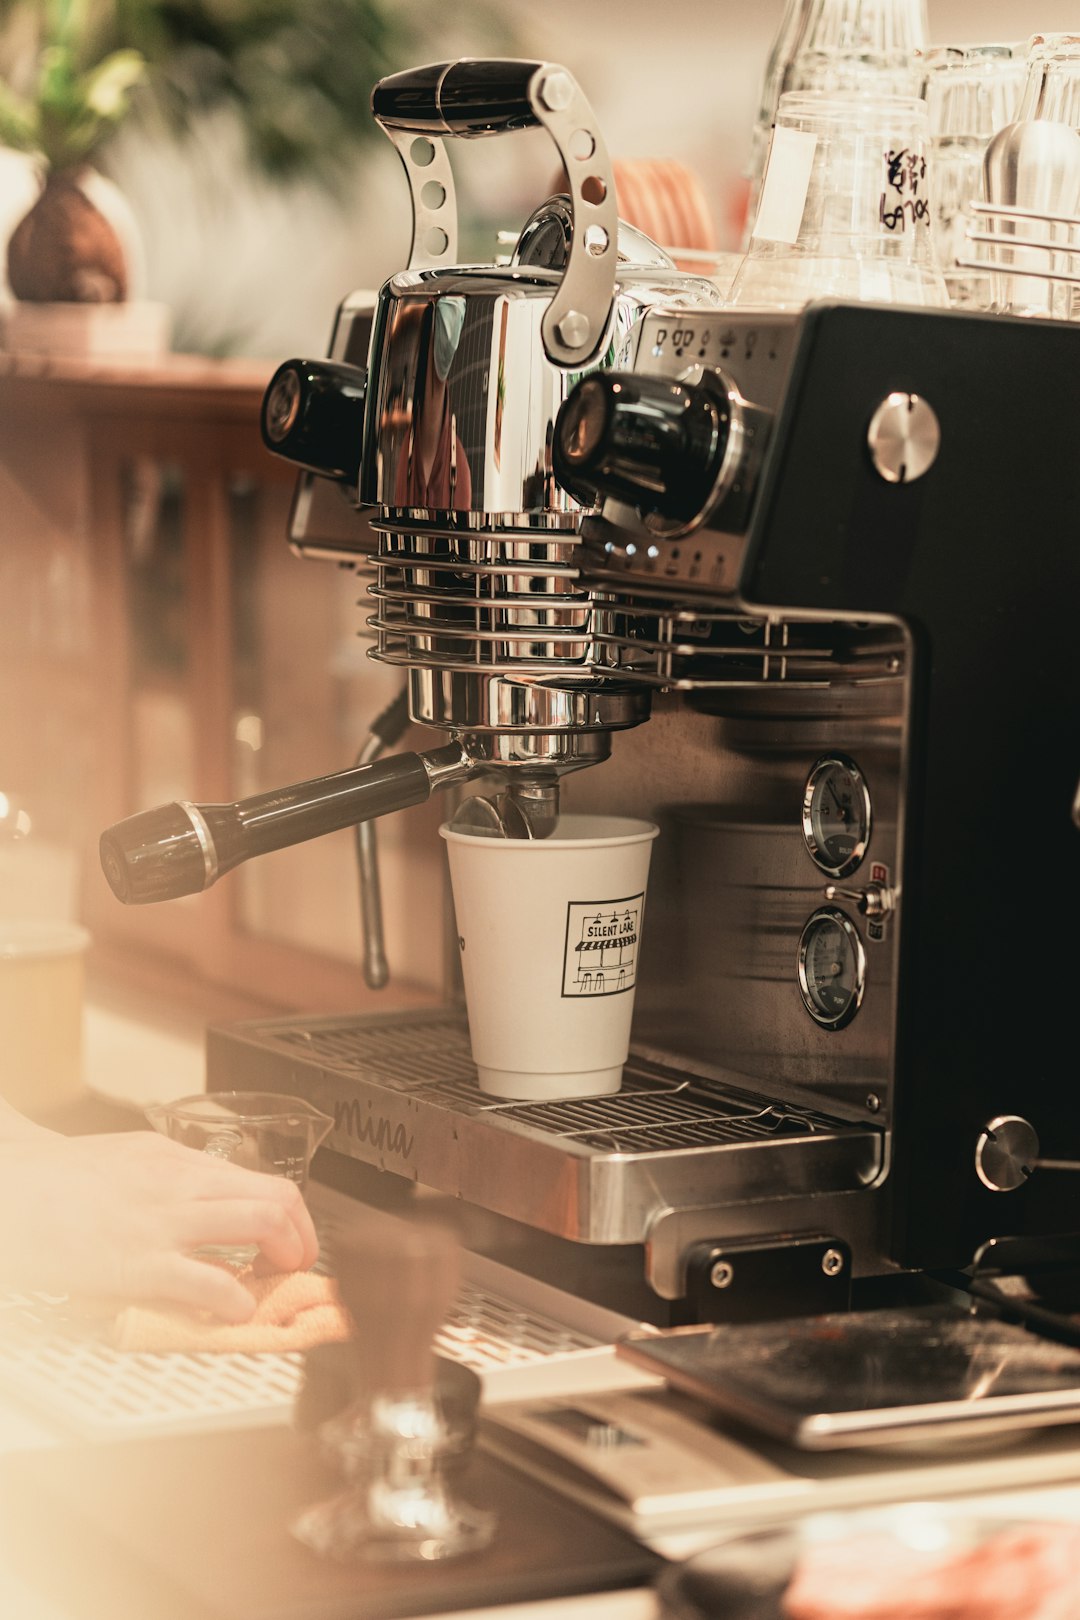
[832, 968]
[836, 814]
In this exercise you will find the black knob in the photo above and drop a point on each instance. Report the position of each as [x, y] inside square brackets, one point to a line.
[154, 856]
[313, 414]
[654, 444]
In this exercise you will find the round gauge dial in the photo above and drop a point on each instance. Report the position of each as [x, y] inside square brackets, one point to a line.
[836, 814]
[832, 968]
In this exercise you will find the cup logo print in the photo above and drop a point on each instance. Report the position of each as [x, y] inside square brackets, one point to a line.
[602, 938]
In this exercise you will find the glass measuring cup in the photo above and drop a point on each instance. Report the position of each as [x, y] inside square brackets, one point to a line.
[260, 1130]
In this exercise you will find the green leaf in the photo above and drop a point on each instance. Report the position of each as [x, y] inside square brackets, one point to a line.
[106, 89]
[66, 22]
[56, 80]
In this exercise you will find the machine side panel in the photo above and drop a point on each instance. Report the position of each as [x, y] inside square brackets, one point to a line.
[978, 557]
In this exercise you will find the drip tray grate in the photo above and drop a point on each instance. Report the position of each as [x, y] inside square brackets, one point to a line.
[652, 1110]
[58, 1362]
[403, 1094]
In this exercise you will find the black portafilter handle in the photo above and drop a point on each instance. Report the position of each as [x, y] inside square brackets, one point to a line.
[656, 445]
[472, 97]
[182, 849]
[313, 414]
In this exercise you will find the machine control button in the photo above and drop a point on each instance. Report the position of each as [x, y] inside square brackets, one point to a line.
[904, 437]
[1006, 1152]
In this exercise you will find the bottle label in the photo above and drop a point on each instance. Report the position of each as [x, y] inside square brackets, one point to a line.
[787, 180]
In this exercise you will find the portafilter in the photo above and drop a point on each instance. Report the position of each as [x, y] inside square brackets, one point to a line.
[447, 439]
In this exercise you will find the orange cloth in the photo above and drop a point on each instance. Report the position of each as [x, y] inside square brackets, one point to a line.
[293, 1311]
[666, 200]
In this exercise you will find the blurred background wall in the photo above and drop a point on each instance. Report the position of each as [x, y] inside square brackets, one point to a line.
[255, 266]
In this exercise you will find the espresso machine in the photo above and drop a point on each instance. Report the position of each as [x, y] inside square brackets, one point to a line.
[798, 588]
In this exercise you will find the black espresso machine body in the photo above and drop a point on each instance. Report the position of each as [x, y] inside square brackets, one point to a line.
[973, 558]
[921, 474]
[856, 1009]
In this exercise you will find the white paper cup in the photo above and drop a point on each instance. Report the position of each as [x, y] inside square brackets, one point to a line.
[42, 969]
[550, 933]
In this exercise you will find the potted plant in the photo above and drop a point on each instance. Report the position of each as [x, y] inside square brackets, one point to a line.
[178, 81]
[65, 250]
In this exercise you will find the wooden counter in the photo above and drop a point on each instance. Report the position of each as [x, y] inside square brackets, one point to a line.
[159, 640]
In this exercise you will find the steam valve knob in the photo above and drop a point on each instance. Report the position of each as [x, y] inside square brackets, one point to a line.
[876, 900]
[654, 444]
[313, 415]
[677, 452]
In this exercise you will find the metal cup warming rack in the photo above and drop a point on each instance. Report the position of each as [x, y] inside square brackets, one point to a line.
[1031, 259]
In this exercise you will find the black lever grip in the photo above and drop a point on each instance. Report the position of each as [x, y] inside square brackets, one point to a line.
[313, 414]
[183, 848]
[471, 97]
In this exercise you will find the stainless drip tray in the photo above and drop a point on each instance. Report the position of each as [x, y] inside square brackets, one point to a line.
[402, 1091]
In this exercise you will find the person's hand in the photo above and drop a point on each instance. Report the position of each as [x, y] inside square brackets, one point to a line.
[117, 1217]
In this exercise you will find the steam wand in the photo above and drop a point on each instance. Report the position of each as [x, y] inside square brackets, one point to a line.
[386, 730]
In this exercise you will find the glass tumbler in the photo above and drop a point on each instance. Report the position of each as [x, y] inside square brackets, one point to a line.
[1052, 80]
[829, 46]
[860, 45]
[971, 92]
[845, 206]
[1040, 184]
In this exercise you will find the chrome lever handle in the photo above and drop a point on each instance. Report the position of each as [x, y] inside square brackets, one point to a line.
[474, 98]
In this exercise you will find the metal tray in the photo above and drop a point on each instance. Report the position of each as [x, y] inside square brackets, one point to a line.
[403, 1093]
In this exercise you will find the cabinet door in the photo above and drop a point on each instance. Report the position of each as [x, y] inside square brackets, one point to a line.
[225, 666]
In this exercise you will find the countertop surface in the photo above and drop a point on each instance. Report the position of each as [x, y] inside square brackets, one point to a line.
[136, 1053]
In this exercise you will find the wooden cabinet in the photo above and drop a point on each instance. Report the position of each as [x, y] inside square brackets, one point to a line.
[159, 640]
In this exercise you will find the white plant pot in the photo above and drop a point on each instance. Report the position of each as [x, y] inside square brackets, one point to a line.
[132, 330]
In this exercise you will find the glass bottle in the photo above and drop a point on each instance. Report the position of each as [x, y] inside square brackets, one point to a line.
[866, 46]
